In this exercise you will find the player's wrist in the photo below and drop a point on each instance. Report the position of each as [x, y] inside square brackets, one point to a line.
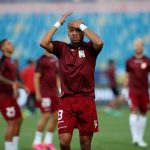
[57, 24]
[82, 27]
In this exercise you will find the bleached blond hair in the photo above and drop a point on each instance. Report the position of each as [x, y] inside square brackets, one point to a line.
[138, 40]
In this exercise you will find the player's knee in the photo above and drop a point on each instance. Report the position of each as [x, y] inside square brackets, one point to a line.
[20, 120]
[45, 116]
[85, 142]
[143, 113]
[9, 130]
[54, 120]
[135, 111]
[64, 142]
[65, 145]
[85, 145]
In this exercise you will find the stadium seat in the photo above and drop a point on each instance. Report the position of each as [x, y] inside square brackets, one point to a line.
[118, 30]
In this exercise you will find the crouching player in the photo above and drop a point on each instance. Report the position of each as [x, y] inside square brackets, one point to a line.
[46, 79]
[8, 96]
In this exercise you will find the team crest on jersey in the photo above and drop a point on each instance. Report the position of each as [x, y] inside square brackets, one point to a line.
[143, 65]
[81, 53]
[95, 123]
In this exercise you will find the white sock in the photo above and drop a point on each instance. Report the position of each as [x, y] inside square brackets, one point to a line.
[16, 142]
[38, 137]
[8, 145]
[141, 127]
[48, 138]
[133, 122]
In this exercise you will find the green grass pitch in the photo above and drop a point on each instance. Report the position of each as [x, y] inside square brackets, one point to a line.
[114, 133]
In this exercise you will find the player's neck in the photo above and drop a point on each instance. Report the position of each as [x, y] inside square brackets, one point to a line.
[77, 44]
[139, 56]
[48, 54]
[7, 55]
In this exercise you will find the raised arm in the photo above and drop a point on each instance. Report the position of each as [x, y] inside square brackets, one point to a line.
[94, 38]
[46, 40]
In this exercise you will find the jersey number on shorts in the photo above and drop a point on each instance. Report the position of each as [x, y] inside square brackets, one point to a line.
[46, 102]
[10, 112]
[60, 115]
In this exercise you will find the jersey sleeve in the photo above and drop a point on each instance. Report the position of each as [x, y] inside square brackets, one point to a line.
[149, 65]
[38, 67]
[57, 48]
[2, 64]
[92, 49]
[127, 66]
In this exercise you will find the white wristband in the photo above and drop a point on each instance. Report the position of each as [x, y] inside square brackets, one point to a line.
[57, 24]
[83, 27]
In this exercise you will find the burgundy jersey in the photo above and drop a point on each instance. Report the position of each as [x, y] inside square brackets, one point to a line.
[47, 67]
[110, 72]
[138, 70]
[77, 66]
[8, 70]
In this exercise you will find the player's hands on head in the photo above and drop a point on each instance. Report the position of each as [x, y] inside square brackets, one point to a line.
[75, 23]
[64, 16]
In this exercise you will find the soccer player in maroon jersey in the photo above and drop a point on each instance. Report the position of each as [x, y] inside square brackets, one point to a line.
[77, 61]
[46, 87]
[138, 68]
[8, 95]
[113, 106]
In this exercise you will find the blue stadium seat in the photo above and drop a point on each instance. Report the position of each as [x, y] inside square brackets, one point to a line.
[118, 31]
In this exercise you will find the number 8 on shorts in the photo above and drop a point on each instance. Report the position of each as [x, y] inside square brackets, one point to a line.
[60, 115]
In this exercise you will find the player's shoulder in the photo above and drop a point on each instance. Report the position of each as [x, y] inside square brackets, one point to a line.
[146, 58]
[54, 59]
[40, 60]
[59, 43]
[89, 43]
[2, 60]
[130, 59]
[41, 57]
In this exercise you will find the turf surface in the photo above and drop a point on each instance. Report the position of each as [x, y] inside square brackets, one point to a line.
[114, 134]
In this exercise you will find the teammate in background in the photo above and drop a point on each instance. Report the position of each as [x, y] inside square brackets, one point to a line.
[77, 61]
[115, 105]
[46, 83]
[8, 95]
[137, 70]
[27, 75]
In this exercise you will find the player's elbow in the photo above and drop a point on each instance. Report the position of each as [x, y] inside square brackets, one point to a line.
[47, 46]
[99, 45]
[42, 44]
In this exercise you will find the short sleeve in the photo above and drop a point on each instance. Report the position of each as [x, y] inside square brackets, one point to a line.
[92, 49]
[2, 64]
[127, 66]
[38, 67]
[149, 65]
[57, 48]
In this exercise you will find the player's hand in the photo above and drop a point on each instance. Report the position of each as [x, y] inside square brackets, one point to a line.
[38, 97]
[75, 24]
[63, 17]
